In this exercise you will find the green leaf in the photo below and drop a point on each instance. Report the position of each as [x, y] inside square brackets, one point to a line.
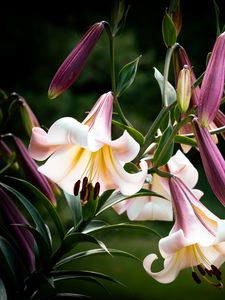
[118, 197]
[185, 140]
[11, 259]
[132, 131]
[168, 31]
[131, 168]
[217, 12]
[170, 90]
[73, 274]
[3, 294]
[126, 76]
[73, 239]
[76, 209]
[46, 203]
[36, 217]
[103, 198]
[127, 226]
[85, 254]
[66, 296]
[162, 157]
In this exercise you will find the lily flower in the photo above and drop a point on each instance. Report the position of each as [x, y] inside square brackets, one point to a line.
[75, 61]
[213, 83]
[77, 150]
[159, 208]
[212, 160]
[197, 240]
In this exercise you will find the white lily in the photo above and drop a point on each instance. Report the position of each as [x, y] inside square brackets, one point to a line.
[76, 150]
[160, 208]
[197, 240]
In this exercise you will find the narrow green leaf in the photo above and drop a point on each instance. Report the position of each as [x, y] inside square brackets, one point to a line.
[66, 296]
[36, 217]
[12, 269]
[217, 12]
[127, 226]
[126, 76]
[118, 197]
[85, 254]
[185, 140]
[103, 198]
[76, 209]
[93, 225]
[70, 274]
[73, 239]
[159, 159]
[168, 31]
[170, 90]
[45, 203]
[132, 131]
[3, 294]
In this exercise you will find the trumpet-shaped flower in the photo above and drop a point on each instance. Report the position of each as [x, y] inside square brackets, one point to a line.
[160, 208]
[213, 83]
[212, 160]
[197, 240]
[77, 150]
[74, 63]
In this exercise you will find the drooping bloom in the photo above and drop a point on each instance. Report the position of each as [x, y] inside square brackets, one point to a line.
[213, 83]
[160, 208]
[197, 240]
[75, 61]
[212, 160]
[78, 150]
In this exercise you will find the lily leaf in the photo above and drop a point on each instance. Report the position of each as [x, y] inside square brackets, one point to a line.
[39, 222]
[170, 91]
[132, 131]
[91, 252]
[66, 296]
[76, 209]
[168, 31]
[103, 198]
[94, 225]
[73, 239]
[118, 197]
[46, 203]
[126, 76]
[185, 140]
[3, 294]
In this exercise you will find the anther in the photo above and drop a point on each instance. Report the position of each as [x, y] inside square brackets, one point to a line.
[89, 189]
[84, 183]
[201, 270]
[216, 272]
[209, 272]
[76, 188]
[196, 278]
[96, 190]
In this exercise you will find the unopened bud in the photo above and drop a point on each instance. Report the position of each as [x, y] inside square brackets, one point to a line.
[184, 89]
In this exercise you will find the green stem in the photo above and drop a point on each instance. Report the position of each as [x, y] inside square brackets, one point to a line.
[170, 139]
[166, 73]
[113, 74]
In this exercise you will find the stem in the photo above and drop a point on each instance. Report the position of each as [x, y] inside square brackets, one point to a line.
[113, 74]
[166, 72]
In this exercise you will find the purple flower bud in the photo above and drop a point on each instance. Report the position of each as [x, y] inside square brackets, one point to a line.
[30, 169]
[213, 83]
[75, 61]
[212, 160]
[11, 215]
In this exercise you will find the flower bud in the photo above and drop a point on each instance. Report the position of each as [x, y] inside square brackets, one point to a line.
[74, 63]
[184, 89]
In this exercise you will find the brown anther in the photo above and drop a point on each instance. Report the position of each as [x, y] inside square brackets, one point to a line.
[96, 190]
[209, 272]
[89, 189]
[201, 270]
[84, 183]
[83, 193]
[76, 188]
[196, 278]
[216, 272]
[219, 285]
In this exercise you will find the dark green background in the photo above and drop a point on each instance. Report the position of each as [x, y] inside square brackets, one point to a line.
[34, 42]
